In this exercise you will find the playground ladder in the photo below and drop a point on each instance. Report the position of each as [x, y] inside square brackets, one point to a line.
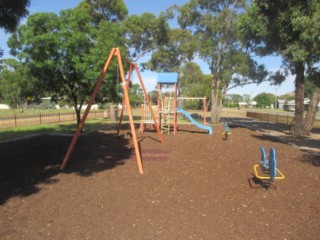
[165, 117]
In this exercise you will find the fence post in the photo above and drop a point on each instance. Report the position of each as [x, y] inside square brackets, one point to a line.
[15, 120]
[268, 117]
[276, 117]
[40, 118]
[287, 119]
[59, 117]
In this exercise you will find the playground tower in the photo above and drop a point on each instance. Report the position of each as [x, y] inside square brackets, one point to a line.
[164, 107]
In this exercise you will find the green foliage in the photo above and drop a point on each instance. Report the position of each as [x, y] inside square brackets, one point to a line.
[264, 100]
[192, 82]
[105, 10]
[170, 57]
[65, 52]
[309, 87]
[136, 95]
[17, 86]
[153, 97]
[209, 31]
[232, 100]
[290, 29]
[12, 12]
[285, 27]
[236, 98]
[145, 33]
[45, 105]
[287, 97]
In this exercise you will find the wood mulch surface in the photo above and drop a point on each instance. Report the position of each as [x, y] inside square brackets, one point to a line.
[194, 186]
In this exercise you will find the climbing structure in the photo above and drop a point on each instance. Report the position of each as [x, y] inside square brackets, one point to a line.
[115, 52]
[167, 105]
[165, 114]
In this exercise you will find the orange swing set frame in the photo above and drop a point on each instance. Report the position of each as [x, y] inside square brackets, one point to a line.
[115, 52]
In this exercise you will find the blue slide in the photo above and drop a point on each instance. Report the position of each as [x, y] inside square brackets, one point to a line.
[185, 113]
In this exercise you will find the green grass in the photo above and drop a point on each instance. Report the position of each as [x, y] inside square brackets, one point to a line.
[64, 128]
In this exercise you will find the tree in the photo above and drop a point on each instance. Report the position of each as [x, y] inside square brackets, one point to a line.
[246, 98]
[212, 28]
[287, 97]
[264, 100]
[105, 10]
[17, 86]
[136, 95]
[236, 98]
[11, 12]
[145, 33]
[153, 96]
[313, 82]
[214, 23]
[172, 54]
[192, 82]
[66, 53]
[290, 29]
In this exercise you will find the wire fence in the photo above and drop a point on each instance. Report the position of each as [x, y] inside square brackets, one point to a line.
[277, 118]
[16, 120]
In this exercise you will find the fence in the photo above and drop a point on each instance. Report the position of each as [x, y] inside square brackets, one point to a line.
[49, 118]
[277, 118]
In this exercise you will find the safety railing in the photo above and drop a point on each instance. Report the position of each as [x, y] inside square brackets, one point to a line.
[283, 118]
[16, 120]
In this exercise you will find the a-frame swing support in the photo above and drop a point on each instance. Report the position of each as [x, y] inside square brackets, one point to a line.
[125, 85]
[133, 66]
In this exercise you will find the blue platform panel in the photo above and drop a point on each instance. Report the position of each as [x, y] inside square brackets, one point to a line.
[168, 78]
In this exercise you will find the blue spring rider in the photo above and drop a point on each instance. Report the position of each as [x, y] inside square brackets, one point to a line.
[226, 131]
[267, 170]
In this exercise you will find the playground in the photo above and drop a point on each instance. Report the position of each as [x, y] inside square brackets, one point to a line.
[195, 186]
[160, 179]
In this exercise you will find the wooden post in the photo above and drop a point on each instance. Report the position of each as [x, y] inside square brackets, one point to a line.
[159, 105]
[124, 102]
[175, 109]
[84, 117]
[157, 125]
[126, 97]
[205, 110]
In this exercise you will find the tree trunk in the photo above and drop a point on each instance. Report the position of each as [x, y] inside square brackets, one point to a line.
[78, 115]
[218, 112]
[312, 110]
[215, 116]
[297, 124]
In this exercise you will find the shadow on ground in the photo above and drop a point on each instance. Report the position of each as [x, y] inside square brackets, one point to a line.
[257, 125]
[27, 163]
[280, 133]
